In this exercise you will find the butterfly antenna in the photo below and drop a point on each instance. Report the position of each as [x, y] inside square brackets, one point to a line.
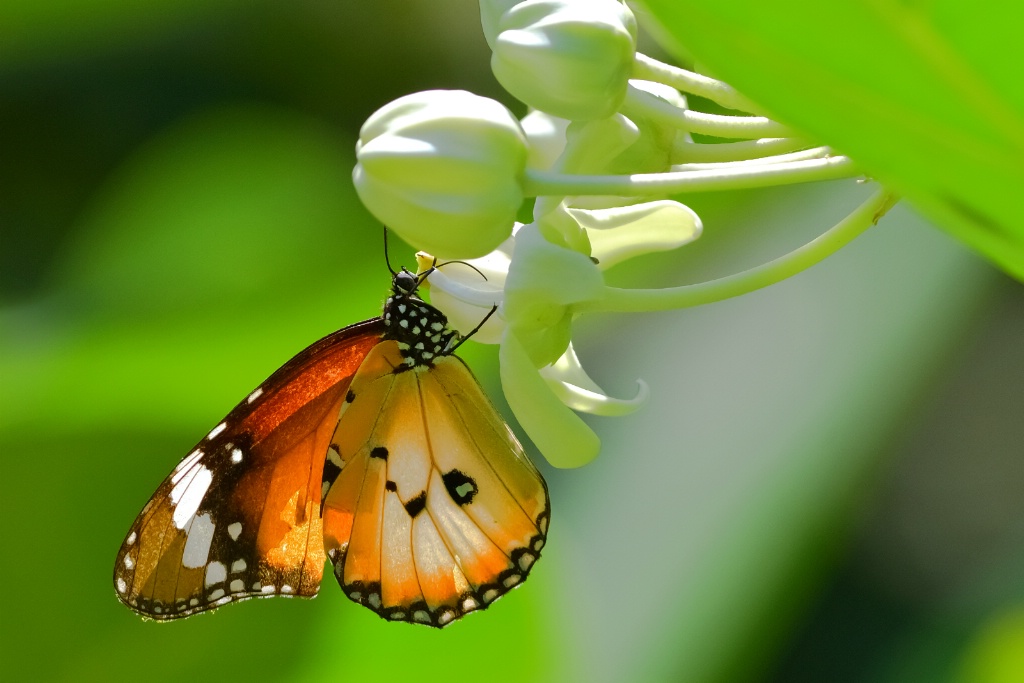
[476, 329]
[387, 260]
[466, 263]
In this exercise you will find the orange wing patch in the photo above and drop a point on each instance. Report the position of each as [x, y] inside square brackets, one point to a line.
[430, 507]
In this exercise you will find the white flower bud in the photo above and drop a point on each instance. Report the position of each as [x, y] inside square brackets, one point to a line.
[442, 169]
[545, 137]
[569, 58]
[490, 16]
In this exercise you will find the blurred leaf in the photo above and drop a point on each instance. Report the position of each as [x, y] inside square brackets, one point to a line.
[34, 29]
[997, 653]
[511, 641]
[926, 96]
[225, 206]
[217, 252]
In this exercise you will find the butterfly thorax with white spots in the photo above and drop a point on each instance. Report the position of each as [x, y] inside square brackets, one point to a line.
[421, 330]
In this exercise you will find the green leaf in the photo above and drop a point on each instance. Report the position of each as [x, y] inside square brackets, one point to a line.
[925, 96]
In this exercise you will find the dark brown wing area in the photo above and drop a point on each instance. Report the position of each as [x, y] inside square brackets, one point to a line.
[239, 516]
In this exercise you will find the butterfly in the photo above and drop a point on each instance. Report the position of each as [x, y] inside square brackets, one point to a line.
[374, 448]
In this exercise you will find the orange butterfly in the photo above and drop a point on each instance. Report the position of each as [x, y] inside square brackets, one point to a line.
[376, 448]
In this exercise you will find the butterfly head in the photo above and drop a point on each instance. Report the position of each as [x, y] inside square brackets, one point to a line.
[421, 330]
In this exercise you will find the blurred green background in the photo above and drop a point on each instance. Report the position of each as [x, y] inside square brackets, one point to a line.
[826, 485]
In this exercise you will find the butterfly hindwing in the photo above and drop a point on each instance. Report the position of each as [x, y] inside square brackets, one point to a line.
[433, 509]
[239, 516]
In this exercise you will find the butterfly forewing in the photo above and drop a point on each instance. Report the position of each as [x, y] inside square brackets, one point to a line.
[239, 516]
[432, 511]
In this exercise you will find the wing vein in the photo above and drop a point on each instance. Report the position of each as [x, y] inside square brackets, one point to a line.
[483, 457]
[193, 471]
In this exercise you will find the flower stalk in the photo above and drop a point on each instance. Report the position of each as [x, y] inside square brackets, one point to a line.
[740, 177]
[645, 300]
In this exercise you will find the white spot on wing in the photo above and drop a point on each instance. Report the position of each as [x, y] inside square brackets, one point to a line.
[216, 572]
[237, 586]
[128, 562]
[268, 589]
[216, 595]
[185, 465]
[234, 530]
[186, 497]
[121, 585]
[216, 430]
[287, 589]
[131, 538]
[236, 455]
[197, 542]
[237, 566]
[254, 395]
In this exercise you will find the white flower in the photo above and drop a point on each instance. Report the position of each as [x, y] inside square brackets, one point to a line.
[537, 286]
[448, 171]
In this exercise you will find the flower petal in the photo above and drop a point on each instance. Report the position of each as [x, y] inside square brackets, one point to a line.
[544, 280]
[560, 435]
[620, 233]
[462, 293]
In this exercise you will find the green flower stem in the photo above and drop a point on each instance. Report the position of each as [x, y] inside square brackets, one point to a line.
[686, 151]
[640, 300]
[802, 155]
[648, 69]
[539, 183]
[640, 104]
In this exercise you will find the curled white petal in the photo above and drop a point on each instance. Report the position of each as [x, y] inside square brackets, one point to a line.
[574, 387]
[620, 233]
[559, 433]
